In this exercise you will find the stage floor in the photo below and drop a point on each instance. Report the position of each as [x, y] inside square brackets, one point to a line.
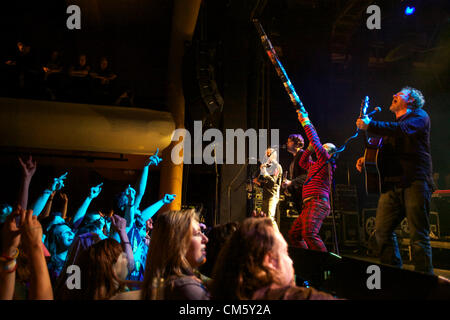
[357, 254]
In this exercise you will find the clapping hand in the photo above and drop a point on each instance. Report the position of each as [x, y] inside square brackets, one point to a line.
[95, 191]
[58, 183]
[155, 160]
[168, 198]
[28, 167]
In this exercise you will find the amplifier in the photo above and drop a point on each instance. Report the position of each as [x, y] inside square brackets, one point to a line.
[327, 234]
[345, 198]
[402, 229]
[440, 203]
[350, 228]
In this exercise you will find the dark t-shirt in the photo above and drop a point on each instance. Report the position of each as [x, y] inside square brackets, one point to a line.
[405, 155]
[185, 288]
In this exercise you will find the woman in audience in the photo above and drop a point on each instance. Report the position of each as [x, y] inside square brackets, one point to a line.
[176, 250]
[104, 267]
[255, 264]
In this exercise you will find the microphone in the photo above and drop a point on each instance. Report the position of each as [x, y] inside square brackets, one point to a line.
[283, 146]
[377, 109]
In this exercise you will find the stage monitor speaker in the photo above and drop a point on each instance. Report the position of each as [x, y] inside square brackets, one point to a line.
[348, 278]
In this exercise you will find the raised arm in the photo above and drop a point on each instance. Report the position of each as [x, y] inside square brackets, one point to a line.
[119, 224]
[28, 170]
[81, 212]
[312, 135]
[305, 161]
[10, 234]
[57, 184]
[142, 182]
[151, 210]
[48, 207]
[40, 285]
[64, 208]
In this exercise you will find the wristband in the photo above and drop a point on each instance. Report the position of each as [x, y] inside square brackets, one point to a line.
[6, 258]
[8, 269]
[305, 121]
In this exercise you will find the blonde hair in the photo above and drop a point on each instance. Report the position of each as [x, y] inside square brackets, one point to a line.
[167, 251]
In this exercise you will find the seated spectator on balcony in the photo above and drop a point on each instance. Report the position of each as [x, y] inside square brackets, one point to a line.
[53, 77]
[103, 82]
[80, 81]
[126, 99]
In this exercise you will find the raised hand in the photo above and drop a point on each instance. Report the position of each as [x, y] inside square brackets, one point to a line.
[168, 198]
[302, 115]
[154, 159]
[118, 223]
[363, 123]
[58, 183]
[31, 231]
[95, 191]
[64, 197]
[11, 231]
[28, 167]
[360, 164]
[131, 195]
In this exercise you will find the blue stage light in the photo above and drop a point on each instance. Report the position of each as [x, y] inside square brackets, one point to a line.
[409, 10]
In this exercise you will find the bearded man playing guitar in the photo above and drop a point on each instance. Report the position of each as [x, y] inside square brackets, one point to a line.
[406, 178]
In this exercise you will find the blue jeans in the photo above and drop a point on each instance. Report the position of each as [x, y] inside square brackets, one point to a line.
[393, 205]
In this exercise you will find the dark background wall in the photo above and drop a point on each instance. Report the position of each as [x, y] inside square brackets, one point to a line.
[135, 35]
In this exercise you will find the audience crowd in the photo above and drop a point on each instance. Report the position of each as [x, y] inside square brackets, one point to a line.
[125, 255]
[55, 78]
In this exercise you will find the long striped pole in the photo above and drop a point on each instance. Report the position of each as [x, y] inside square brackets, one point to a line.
[279, 67]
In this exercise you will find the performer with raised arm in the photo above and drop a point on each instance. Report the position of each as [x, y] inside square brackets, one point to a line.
[406, 178]
[304, 232]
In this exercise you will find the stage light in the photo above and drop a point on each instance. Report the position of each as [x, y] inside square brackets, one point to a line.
[409, 10]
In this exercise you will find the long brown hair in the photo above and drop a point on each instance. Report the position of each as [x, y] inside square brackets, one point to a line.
[167, 251]
[98, 279]
[239, 270]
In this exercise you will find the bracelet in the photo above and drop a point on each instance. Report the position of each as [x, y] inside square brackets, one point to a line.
[12, 269]
[7, 267]
[305, 122]
[6, 258]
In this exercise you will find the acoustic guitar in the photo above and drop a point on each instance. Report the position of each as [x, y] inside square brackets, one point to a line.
[373, 145]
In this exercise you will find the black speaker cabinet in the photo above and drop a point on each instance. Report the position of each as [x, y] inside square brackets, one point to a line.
[350, 228]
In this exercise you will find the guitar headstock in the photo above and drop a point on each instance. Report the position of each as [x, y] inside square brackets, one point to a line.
[364, 107]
